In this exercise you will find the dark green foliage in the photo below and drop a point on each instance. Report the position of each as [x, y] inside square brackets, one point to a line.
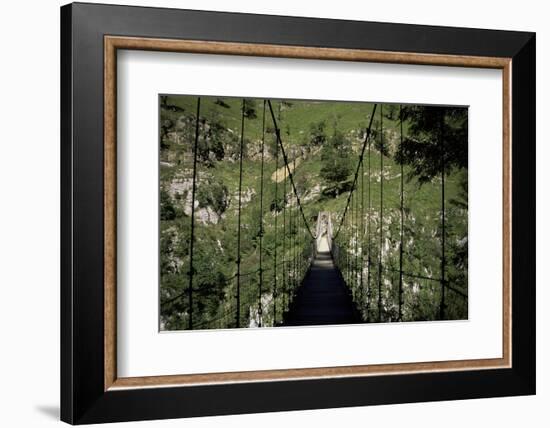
[221, 102]
[166, 249]
[165, 126]
[250, 108]
[436, 137]
[457, 220]
[210, 146]
[165, 105]
[208, 281]
[277, 203]
[254, 219]
[166, 123]
[324, 140]
[317, 133]
[391, 111]
[378, 137]
[213, 193]
[167, 209]
[336, 160]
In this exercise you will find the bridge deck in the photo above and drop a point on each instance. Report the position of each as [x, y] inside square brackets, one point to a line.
[323, 297]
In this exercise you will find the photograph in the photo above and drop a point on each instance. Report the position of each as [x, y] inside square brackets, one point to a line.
[287, 212]
[264, 212]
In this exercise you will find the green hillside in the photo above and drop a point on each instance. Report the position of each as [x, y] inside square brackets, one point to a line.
[325, 140]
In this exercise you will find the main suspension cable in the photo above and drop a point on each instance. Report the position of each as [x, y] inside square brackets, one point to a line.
[280, 142]
[367, 137]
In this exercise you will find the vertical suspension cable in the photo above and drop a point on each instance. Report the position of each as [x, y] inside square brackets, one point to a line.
[306, 251]
[381, 222]
[276, 237]
[441, 143]
[303, 252]
[369, 259]
[356, 274]
[293, 217]
[400, 315]
[291, 243]
[238, 315]
[194, 189]
[300, 252]
[346, 261]
[285, 278]
[298, 240]
[352, 243]
[261, 272]
[291, 239]
[350, 240]
[362, 262]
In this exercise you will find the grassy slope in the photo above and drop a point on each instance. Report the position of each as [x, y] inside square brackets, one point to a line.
[294, 122]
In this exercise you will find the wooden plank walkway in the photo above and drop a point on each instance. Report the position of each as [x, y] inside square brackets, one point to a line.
[323, 298]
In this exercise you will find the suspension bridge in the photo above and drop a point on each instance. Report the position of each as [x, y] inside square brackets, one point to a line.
[333, 273]
[323, 296]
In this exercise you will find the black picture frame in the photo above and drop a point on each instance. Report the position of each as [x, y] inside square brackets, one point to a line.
[83, 398]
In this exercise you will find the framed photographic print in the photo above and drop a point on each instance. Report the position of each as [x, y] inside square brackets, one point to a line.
[266, 213]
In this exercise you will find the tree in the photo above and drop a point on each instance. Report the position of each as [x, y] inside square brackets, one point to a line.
[317, 135]
[166, 126]
[436, 137]
[391, 111]
[213, 193]
[221, 102]
[209, 282]
[249, 108]
[336, 160]
[457, 242]
[437, 143]
[167, 209]
[210, 145]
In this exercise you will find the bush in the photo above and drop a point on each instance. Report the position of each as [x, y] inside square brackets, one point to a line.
[336, 159]
[167, 210]
[213, 194]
